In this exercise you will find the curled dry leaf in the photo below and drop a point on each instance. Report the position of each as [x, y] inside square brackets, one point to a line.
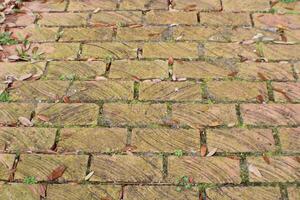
[57, 173]
[266, 159]
[170, 61]
[66, 99]
[100, 78]
[43, 118]
[203, 150]
[260, 98]
[89, 176]
[212, 152]
[26, 122]
[254, 170]
[42, 190]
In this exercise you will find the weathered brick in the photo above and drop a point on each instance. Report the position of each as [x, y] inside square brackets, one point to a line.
[284, 7]
[204, 170]
[67, 114]
[58, 50]
[19, 191]
[35, 33]
[63, 19]
[178, 91]
[67, 191]
[199, 115]
[26, 139]
[240, 140]
[246, 5]
[83, 70]
[261, 71]
[201, 5]
[114, 50]
[38, 90]
[147, 33]
[271, 114]
[20, 19]
[199, 70]
[268, 20]
[281, 52]
[165, 140]
[279, 169]
[292, 35]
[228, 50]
[10, 112]
[293, 193]
[158, 192]
[250, 192]
[131, 69]
[126, 168]
[243, 91]
[116, 114]
[6, 164]
[158, 4]
[133, 4]
[86, 34]
[92, 139]
[119, 18]
[85, 5]
[166, 17]
[41, 166]
[100, 90]
[39, 6]
[169, 49]
[19, 69]
[290, 139]
[225, 18]
[286, 91]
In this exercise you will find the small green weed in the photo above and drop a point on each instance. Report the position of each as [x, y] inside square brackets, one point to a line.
[29, 180]
[184, 183]
[178, 153]
[288, 1]
[5, 39]
[4, 97]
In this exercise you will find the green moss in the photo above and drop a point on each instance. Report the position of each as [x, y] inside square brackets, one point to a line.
[4, 97]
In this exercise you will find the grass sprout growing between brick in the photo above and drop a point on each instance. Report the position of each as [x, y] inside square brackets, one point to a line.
[30, 180]
[184, 183]
[6, 39]
[4, 97]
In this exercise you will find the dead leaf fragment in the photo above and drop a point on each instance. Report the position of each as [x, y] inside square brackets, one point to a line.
[26, 122]
[43, 118]
[66, 99]
[89, 176]
[25, 77]
[212, 152]
[170, 61]
[57, 173]
[203, 150]
[254, 170]
[266, 159]
[260, 98]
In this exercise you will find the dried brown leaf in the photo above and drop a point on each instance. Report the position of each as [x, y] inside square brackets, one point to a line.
[66, 99]
[266, 159]
[57, 173]
[170, 61]
[43, 118]
[203, 150]
[260, 98]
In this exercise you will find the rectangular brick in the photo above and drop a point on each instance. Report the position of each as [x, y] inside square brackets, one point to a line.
[243, 91]
[228, 50]
[64, 51]
[240, 140]
[271, 114]
[126, 168]
[116, 18]
[92, 139]
[19, 69]
[41, 166]
[281, 52]
[199, 115]
[38, 90]
[19, 191]
[204, 170]
[168, 49]
[134, 4]
[279, 169]
[110, 50]
[86, 34]
[76, 191]
[286, 92]
[292, 35]
[35, 33]
[178, 91]
[61, 114]
[130, 69]
[63, 19]
[225, 19]
[246, 5]
[290, 139]
[82, 70]
[88, 5]
[250, 192]
[6, 164]
[88, 91]
[165, 140]
[148, 33]
[259, 71]
[293, 193]
[116, 114]
[20, 19]
[10, 112]
[268, 20]
[51, 5]
[200, 5]
[158, 192]
[27, 139]
[166, 17]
